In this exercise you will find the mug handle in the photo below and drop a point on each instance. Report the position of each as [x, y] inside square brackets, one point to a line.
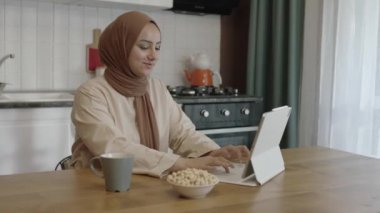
[97, 171]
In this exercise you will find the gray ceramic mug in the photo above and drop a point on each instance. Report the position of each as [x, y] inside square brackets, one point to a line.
[116, 168]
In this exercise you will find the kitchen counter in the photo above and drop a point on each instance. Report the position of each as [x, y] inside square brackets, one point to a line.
[66, 98]
[36, 99]
[20, 104]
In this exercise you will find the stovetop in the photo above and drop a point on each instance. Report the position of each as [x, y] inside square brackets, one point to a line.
[199, 95]
[202, 91]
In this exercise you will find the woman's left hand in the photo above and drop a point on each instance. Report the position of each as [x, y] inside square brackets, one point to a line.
[239, 154]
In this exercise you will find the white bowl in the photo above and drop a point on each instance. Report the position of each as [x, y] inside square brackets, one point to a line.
[194, 192]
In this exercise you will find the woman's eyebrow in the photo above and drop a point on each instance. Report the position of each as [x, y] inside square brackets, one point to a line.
[143, 40]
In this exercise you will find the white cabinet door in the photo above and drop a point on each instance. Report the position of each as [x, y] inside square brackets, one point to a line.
[122, 4]
[130, 4]
[34, 139]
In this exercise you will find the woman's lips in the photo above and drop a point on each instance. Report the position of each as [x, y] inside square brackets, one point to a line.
[149, 65]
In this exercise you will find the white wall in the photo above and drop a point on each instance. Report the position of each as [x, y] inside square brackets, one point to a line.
[49, 42]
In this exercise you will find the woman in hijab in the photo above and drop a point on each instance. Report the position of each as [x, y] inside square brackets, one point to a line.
[128, 111]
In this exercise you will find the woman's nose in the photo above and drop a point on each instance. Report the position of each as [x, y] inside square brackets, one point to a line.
[153, 54]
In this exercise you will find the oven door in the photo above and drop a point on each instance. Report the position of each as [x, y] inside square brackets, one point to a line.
[232, 136]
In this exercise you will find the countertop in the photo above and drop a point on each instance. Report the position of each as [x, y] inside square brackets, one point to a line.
[36, 99]
[21, 104]
[31, 99]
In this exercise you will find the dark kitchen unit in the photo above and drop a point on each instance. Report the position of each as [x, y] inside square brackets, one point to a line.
[222, 114]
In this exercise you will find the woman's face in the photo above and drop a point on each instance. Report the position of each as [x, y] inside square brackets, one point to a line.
[145, 52]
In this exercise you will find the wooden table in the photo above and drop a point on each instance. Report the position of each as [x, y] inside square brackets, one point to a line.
[315, 180]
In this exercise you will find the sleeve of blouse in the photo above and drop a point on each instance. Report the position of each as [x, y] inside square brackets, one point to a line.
[96, 128]
[184, 139]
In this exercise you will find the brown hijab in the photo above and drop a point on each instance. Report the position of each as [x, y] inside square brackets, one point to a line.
[115, 45]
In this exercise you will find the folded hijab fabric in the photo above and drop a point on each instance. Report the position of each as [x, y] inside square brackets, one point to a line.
[115, 45]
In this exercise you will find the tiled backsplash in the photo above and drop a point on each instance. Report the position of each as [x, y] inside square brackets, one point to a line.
[49, 42]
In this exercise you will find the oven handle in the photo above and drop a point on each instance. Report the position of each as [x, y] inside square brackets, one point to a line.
[228, 130]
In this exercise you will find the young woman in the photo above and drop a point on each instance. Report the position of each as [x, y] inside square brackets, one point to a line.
[128, 111]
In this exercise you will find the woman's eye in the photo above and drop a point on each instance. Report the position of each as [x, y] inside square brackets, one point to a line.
[144, 47]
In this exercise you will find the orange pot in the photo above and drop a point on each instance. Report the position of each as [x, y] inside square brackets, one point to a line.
[200, 77]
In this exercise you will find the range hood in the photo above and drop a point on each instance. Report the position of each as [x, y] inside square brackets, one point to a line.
[202, 7]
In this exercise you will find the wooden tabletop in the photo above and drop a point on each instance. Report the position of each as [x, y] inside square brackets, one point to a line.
[315, 180]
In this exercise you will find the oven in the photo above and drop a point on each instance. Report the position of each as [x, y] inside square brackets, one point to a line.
[228, 118]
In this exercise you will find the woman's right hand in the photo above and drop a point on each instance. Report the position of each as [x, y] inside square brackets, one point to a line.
[208, 163]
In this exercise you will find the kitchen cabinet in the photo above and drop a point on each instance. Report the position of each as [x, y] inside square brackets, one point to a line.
[129, 4]
[234, 46]
[34, 139]
[126, 4]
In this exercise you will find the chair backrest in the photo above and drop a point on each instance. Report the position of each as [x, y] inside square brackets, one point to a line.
[64, 163]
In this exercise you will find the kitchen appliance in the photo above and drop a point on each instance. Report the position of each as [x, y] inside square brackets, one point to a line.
[202, 7]
[221, 113]
[93, 58]
[201, 77]
[198, 71]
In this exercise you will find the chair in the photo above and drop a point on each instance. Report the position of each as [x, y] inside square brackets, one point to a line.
[64, 163]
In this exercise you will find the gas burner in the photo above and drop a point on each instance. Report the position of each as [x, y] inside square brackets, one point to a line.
[231, 91]
[203, 91]
[188, 92]
[217, 91]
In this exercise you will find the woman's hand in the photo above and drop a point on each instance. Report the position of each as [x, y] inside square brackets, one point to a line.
[220, 157]
[207, 163]
[239, 154]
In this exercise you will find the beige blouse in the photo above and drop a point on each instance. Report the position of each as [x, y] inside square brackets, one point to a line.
[105, 122]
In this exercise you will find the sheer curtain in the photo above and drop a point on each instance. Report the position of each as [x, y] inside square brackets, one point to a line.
[349, 95]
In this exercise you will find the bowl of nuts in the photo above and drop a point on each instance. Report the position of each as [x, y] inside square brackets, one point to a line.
[192, 183]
